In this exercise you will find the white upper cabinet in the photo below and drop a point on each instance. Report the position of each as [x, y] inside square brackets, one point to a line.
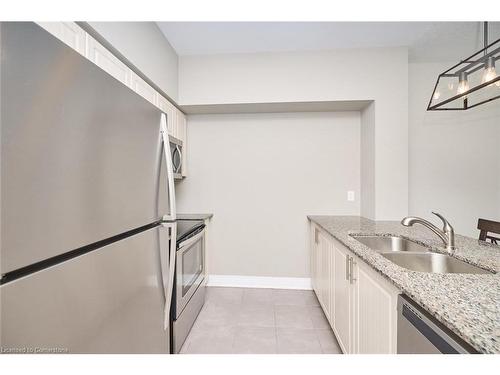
[169, 109]
[181, 125]
[107, 61]
[68, 32]
[143, 89]
[182, 135]
[75, 37]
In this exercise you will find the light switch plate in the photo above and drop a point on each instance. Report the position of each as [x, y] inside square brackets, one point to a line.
[350, 196]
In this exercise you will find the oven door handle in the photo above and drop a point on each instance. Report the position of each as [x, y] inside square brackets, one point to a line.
[191, 240]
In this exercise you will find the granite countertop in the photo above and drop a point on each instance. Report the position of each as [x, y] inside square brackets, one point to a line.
[194, 216]
[468, 304]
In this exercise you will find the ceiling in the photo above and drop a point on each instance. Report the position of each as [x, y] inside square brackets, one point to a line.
[427, 41]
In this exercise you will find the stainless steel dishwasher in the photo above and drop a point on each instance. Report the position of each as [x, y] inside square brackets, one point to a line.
[420, 333]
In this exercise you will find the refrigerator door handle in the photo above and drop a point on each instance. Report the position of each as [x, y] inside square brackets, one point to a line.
[170, 172]
[169, 282]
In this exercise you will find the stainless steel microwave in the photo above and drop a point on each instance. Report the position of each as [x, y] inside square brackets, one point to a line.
[176, 151]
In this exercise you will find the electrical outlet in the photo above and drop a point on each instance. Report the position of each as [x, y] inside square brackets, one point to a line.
[350, 196]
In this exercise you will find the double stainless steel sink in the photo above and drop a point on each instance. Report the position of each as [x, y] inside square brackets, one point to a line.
[413, 256]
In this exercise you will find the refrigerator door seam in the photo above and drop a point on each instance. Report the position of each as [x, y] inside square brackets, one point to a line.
[60, 258]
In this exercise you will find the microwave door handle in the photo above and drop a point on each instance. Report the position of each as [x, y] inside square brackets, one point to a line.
[179, 168]
[171, 270]
[170, 173]
[175, 167]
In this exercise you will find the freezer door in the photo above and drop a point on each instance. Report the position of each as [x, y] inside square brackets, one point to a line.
[112, 300]
[82, 155]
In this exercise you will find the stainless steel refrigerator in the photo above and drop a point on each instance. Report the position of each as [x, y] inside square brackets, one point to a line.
[87, 205]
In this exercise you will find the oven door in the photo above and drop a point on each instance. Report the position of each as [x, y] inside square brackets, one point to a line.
[190, 269]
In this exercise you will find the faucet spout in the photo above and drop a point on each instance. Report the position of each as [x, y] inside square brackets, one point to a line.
[447, 235]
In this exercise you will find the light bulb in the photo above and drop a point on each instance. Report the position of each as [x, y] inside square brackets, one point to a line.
[437, 95]
[462, 87]
[489, 71]
[463, 84]
[489, 74]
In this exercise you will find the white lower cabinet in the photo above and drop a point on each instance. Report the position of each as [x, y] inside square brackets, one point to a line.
[358, 302]
[342, 295]
[375, 303]
[323, 267]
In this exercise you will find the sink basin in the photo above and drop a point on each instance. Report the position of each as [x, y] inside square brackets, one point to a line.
[432, 262]
[415, 257]
[389, 244]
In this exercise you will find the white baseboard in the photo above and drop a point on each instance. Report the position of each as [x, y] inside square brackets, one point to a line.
[237, 281]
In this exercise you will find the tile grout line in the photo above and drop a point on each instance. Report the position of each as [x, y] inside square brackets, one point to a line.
[275, 329]
[233, 328]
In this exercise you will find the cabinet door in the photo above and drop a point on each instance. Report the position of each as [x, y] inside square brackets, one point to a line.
[68, 32]
[144, 89]
[181, 126]
[375, 304]
[169, 109]
[342, 299]
[107, 61]
[324, 266]
[318, 254]
[182, 135]
[313, 241]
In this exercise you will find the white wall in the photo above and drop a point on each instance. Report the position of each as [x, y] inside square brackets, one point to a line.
[368, 161]
[261, 174]
[357, 74]
[145, 46]
[454, 156]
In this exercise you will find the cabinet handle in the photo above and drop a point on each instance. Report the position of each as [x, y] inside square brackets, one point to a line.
[315, 235]
[347, 267]
[351, 270]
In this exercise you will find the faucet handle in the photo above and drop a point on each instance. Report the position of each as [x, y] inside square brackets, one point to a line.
[446, 224]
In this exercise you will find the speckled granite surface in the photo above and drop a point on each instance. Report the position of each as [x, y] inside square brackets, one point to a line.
[468, 304]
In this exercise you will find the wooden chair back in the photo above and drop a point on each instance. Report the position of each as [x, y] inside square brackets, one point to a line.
[486, 227]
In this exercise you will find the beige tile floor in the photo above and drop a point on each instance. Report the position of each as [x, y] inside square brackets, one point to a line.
[260, 321]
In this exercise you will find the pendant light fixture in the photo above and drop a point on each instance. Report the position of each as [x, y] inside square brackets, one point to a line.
[471, 82]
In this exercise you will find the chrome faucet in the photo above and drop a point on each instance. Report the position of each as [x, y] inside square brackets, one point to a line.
[447, 235]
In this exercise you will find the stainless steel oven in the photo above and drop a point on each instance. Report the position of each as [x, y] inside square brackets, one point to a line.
[176, 151]
[189, 284]
[190, 268]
